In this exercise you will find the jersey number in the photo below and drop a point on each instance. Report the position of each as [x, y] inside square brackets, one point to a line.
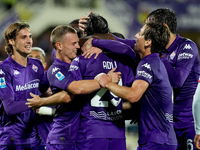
[96, 100]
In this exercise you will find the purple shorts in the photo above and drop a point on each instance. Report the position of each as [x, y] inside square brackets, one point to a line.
[185, 138]
[60, 146]
[99, 144]
[34, 146]
[156, 146]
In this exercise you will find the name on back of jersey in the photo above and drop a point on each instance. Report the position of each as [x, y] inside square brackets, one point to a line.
[109, 64]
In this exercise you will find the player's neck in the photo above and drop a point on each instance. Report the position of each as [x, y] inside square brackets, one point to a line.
[22, 60]
[63, 58]
[144, 53]
[171, 39]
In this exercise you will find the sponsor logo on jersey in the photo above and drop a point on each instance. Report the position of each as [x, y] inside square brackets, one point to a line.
[73, 68]
[185, 56]
[115, 115]
[29, 85]
[60, 76]
[144, 74]
[169, 117]
[187, 46]
[1, 72]
[172, 55]
[55, 69]
[16, 72]
[2, 83]
[35, 68]
[147, 66]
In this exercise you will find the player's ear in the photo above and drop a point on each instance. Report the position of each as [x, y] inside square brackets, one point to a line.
[59, 45]
[11, 41]
[148, 42]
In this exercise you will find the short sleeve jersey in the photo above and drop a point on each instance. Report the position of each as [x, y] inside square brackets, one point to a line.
[156, 120]
[67, 118]
[102, 112]
[183, 55]
[17, 125]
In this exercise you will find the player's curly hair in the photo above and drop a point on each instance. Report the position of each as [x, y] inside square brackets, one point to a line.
[159, 36]
[96, 24]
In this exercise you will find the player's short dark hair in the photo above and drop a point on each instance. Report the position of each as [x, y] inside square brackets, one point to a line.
[164, 15]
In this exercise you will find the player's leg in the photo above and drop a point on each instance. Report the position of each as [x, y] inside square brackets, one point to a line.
[185, 138]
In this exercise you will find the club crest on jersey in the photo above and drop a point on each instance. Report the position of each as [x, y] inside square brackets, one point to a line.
[60, 76]
[172, 55]
[2, 83]
[35, 68]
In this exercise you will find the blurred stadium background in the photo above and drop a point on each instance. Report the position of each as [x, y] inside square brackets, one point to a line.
[124, 16]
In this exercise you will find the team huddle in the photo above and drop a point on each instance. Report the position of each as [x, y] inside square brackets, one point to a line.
[78, 103]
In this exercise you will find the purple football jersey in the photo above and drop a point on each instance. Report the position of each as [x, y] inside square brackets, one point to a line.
[17, 124]
[156, 120]
[67, 118]
[182, 63]
[102, 113]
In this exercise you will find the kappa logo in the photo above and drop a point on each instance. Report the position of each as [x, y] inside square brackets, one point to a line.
[16, 72]
[76, 59]
[1, 72]
[147, 66]
[35, 68]
[187, 46]
[55, 69]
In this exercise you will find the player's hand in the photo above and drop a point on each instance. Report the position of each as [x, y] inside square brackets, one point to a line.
[34, 102]
[111, 76]
[82, 24]
[115, 76]
[91, 51]
[196, 141]
[103, 79]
